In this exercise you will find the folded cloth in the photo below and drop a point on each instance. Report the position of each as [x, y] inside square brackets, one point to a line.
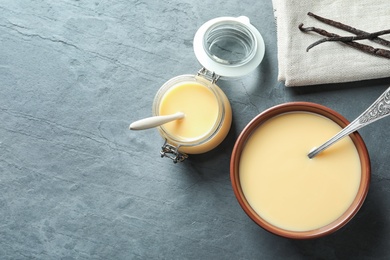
[329, 62]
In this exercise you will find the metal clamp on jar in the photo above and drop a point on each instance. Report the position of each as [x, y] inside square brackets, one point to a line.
[227, 47]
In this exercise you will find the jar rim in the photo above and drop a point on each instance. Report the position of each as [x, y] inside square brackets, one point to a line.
[220, 39]
[230, 28]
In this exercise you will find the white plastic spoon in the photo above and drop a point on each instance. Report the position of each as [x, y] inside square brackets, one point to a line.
[154, 121]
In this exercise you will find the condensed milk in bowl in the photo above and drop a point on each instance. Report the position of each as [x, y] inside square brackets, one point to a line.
[282, 189]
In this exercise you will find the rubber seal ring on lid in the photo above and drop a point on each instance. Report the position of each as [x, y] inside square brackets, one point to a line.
[229, 46]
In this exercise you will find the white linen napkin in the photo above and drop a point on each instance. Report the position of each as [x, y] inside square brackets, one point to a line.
[329, 62]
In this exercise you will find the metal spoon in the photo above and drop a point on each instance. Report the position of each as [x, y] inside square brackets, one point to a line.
[154, 121]
[378, 110]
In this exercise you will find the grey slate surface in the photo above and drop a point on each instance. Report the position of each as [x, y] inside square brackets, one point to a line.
[75, 183]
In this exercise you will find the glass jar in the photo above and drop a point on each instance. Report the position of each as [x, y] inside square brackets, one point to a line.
[202, 129]
[227, 47]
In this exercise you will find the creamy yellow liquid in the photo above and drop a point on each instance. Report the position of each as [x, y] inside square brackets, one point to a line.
[201, 109]
[284, 186]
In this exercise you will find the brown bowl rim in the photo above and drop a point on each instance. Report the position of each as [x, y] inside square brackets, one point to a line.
[297, 107]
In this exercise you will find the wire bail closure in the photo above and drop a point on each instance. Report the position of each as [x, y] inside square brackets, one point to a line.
[208, 75]
[172, 152]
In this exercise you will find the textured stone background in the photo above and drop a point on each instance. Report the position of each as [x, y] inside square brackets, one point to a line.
[75, 183]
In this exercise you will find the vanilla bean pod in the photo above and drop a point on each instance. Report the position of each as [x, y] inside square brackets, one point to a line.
[349, 29]
[349, 38]
[362, 47]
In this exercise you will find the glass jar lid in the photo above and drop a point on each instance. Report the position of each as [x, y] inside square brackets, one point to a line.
[229, 46]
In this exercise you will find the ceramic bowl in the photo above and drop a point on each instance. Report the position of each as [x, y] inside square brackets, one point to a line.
[296, 107]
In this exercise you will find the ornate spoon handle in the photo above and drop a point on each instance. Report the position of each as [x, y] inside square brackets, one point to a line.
[379, 109]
